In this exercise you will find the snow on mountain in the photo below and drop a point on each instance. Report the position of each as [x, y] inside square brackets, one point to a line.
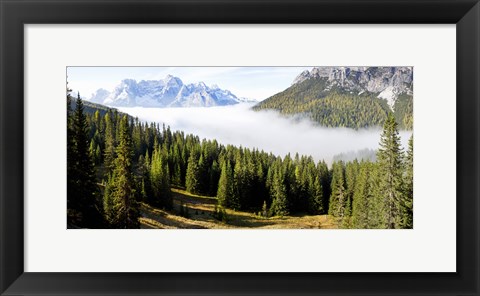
[387, 82]
[169, 92]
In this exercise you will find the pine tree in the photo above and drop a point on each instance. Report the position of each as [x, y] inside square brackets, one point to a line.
[110, 143]
[316, 205]
[351, 171]
[125, 205]
[108, 201]
[225, 185]
[279, 206]
[407, 202]
[192, 181]
[83, 202]
[367, 202]
[160, 180]
[338, 198]
[325, 181]
[389, 158]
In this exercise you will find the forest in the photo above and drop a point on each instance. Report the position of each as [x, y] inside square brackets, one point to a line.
[336, 107]
[116, 163]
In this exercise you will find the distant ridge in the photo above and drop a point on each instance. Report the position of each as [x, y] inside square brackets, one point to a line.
[168, 92]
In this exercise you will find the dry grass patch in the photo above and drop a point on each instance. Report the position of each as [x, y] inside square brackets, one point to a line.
[198, 213]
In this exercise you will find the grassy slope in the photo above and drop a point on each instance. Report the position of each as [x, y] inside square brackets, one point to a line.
[200, 210]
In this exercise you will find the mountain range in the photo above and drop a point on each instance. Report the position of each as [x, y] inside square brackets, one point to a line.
[167, 92]
[354, 97]
[386, 82]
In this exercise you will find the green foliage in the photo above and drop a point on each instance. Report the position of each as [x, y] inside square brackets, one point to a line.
[141, 161]
[335, 107]
[367, 210]
[407, 201]
[225, 185]
[338, 197]
[404, 111]
[83, 198]
[125, 206]
[279, 206]
[389, 158]
[192, 178]
[160, 180]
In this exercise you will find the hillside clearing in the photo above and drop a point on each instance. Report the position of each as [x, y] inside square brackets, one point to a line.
[200, 215]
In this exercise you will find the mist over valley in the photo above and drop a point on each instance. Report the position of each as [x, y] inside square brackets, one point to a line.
[238, 125]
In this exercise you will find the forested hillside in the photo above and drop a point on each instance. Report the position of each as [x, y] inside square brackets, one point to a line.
[115, 162]
[335, 107]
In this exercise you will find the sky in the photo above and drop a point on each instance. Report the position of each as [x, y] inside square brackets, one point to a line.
[256, 83]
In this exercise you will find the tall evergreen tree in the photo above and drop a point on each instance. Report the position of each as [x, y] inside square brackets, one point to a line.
[83, 200]
[125, 205]
[110, 142]
[407, 202]
[192, 178]
[225, 185]
[338, 197]
[367, 202]
[279, 206]
[316, 205]
[389, 158]
[160, 180]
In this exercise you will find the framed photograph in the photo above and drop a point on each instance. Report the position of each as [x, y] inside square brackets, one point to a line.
[214, 147]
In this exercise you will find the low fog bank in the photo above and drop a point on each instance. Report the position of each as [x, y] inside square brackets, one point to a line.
[266, 130]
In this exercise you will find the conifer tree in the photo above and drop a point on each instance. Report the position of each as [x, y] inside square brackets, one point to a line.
[407, 202]
[213, 178]
[160, 180]
[225, 185]
[110, 143]
[338, 198]
[125, 205]
[316, 205]
[351, 171]
[83, 199]
[325, 181]
[367, 202]
[279, 206]
[108, 201]
[389, 158]
[192, 182]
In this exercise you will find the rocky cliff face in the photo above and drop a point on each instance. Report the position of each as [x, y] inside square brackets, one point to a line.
[387, 82]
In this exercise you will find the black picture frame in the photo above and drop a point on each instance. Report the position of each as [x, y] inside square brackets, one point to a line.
[15, 13]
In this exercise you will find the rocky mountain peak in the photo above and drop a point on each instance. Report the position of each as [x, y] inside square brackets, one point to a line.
[387, 82]
[167, 92]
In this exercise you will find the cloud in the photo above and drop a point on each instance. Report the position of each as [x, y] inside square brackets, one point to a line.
[266, 130]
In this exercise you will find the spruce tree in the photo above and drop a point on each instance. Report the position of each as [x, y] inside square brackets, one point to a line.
[225, 185]
[125, 205]
[367, 202]
[279, 206]
[83, 201]
[192, 181]
[351, 171]
[160, 180]
[338, 198]
[389, 158]
[110, 143]
[316, 205]
[407, 202]
[108, 201]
